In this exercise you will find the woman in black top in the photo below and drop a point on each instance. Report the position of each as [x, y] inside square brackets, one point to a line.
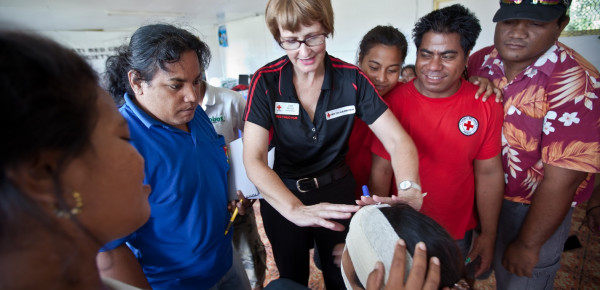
[308, 100]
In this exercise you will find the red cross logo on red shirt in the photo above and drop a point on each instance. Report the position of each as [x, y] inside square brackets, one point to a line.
[468, 125]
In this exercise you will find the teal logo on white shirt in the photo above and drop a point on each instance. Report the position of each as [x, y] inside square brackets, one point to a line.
[219, 119]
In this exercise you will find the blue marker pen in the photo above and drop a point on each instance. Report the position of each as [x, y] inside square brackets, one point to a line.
[366, 191]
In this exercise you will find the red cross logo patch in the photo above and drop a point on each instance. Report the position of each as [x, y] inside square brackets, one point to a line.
[468, 125]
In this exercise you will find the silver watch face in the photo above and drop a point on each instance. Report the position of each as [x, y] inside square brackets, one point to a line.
[404, 185]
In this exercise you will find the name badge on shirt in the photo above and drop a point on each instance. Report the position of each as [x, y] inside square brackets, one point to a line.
[283, 108]
[347, 110]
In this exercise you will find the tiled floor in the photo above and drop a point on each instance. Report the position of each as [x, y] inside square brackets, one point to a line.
[316, 277]
[580, 267]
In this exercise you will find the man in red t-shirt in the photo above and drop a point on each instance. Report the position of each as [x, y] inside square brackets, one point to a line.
[457, 136]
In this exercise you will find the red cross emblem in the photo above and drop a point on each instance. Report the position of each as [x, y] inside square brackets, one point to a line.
[468, 125]
[278, 107]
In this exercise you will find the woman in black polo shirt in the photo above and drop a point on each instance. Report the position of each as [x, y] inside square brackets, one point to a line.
[309, 99]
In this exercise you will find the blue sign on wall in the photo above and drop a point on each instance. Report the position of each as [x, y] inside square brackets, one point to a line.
[223, 36]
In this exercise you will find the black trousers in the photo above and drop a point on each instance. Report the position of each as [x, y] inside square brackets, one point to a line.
[291, 244]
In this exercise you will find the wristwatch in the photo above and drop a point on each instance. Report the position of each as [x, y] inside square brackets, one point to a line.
[407, 184]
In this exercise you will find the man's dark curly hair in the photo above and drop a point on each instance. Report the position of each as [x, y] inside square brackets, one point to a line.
[451, 19]
[151, 48]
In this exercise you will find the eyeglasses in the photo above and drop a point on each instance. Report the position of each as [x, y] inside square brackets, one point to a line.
[310, 41]
[543, 2]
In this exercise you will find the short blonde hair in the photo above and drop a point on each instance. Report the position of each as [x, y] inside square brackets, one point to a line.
[291, 14]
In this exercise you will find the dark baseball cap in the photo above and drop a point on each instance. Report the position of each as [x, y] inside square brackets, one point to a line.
[536, 10]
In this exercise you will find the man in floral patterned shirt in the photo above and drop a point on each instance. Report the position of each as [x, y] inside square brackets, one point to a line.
[551, 137]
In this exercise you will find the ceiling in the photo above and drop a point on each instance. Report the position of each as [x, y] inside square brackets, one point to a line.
[112, 15]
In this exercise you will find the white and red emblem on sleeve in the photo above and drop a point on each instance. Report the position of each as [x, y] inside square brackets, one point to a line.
[468, 125]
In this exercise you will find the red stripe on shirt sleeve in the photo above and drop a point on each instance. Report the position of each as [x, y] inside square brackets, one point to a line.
[256, 77]
[341, 64]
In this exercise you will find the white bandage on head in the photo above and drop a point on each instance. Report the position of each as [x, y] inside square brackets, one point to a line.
[371, 238]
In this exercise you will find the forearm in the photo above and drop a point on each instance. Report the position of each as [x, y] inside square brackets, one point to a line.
[489, 212]
[256, 143]
[271, 187]
[544, 217]
[278, 195]
[405, 160]
[549, 206]
[381, 176]
[120, 264]
[489, 193]
[403, 152]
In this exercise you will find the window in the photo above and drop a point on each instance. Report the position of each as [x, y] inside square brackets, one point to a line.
[438, 4]
[585, 18]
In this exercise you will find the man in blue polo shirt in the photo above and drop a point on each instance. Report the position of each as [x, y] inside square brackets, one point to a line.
[183, 245]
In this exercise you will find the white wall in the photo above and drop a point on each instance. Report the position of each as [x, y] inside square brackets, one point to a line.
[353, 18]
[95, 46]
[251, 44]
[587, 46]
[356, 19]
[250, 47]
[210, 37]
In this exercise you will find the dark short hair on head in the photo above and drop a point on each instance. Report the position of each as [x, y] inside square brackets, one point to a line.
[150, 48]
[409, 66]
[451, 19]
[386, 35]
[48, 96]
[413, 227]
